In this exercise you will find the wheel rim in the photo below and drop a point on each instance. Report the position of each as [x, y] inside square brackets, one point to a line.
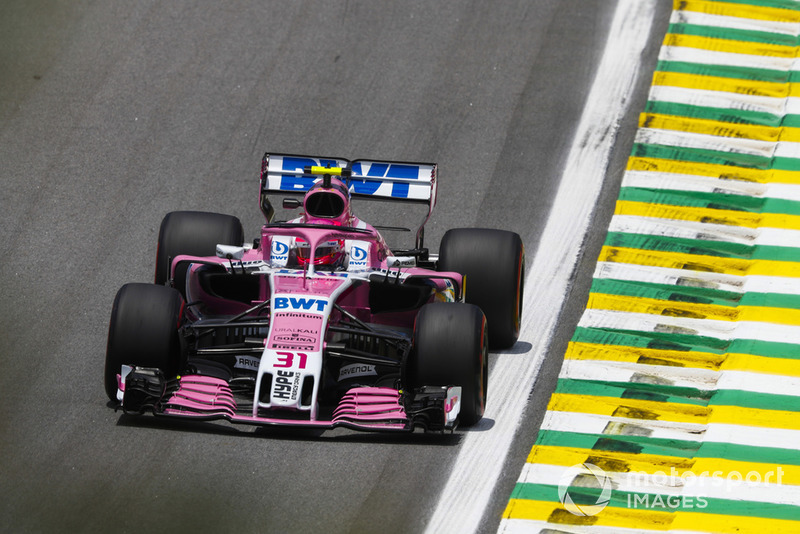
[483, 374]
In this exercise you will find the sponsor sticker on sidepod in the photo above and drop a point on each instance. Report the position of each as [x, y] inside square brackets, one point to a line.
[356, 370]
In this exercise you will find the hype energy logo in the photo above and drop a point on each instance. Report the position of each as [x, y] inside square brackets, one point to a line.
[577, 489]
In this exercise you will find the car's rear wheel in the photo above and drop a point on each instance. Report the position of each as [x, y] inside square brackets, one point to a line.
[196, 233]
[450, 349]
[494, 264]
[144, 331]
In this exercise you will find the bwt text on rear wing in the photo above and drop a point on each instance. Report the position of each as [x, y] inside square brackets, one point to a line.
[381, 180]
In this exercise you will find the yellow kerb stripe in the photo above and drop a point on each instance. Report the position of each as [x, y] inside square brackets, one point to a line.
[698, 262]
[638, 518]
[790, 134]
[717, 83]
[714, 170]
[728, 9]
[630, 408]
[709, 127]
[729, 45]
[611, 516]
[724, 84]
[603, 301]
[679, 358]
[670, 411]
[655, 464]
[708, 215]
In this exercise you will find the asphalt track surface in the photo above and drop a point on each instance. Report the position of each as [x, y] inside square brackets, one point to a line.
[114, 113]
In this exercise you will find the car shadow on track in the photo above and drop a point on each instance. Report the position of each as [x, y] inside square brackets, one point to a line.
[520, 347]
[339, 435]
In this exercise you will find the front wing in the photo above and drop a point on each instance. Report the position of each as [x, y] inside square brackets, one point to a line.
[432, 408]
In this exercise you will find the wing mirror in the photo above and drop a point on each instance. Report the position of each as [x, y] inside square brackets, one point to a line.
[401, 261]
[230, 252]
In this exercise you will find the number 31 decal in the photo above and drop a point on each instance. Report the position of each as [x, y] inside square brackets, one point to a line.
[286, 359]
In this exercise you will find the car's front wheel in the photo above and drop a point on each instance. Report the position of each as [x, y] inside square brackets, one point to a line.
[144, 331]
[493, 262]
[450, 348]
[195, 233]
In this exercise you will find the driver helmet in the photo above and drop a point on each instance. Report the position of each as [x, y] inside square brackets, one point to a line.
[328, 253]
[331, 252]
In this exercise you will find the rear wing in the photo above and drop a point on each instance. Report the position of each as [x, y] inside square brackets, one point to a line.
[381, 180]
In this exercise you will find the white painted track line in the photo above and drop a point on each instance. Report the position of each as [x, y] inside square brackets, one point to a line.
[484, 448]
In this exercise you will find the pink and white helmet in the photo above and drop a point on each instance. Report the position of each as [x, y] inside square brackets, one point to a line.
[328, 202]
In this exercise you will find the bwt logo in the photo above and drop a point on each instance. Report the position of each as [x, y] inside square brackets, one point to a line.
[358, 254]
[366, 175]
[279, 249]
[360, 168]
[300, 303]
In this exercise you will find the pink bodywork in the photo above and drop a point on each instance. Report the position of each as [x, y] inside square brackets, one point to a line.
[363, 408]
[319, 282]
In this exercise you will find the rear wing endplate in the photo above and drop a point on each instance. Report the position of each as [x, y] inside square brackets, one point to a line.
[384, 180]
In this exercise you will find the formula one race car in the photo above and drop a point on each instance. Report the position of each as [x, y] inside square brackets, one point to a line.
[317, 323]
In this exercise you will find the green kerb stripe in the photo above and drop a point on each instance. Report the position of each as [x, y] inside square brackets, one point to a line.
[637, 391]
[750, 36]
[703, 247]
[734, 116]
[668, 447]
[728, 71]
[678, 394]
[697, 295]
[701, 199]
[716, 157]
[701, 156]
[777, 4]
[686, 342]
[669, 292]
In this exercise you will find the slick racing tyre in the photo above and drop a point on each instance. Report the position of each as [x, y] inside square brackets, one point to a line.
[144, 331]
[450, 349]
[494, 264]
[195, 233]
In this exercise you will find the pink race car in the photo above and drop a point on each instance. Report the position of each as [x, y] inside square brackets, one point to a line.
[317, 323]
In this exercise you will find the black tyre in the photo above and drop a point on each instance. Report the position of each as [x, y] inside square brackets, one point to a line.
[144, 331]
[450, 349]
[196, 233]
[494, 264]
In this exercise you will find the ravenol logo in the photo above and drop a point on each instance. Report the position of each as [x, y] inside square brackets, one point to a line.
[577, 483]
